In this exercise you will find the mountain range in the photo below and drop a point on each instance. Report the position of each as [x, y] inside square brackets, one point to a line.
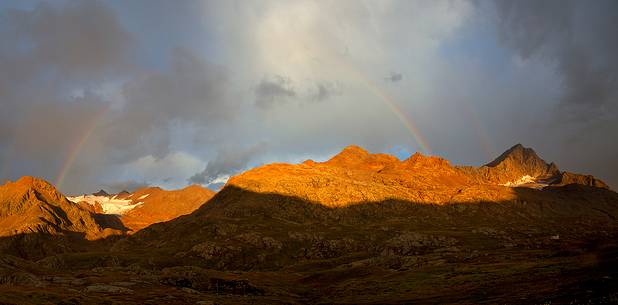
[359, 228]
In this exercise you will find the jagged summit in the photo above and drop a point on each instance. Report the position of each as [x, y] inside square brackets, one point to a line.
[101, 193]
[366, 219]
[519, 165]
[353, 149]
[24, 193]
[420, 160]
[355, 175]
[525, 158]
[350, 153]
[566, 178]
[33, 205]
[30, 182]
[518, 152]
[354, 156]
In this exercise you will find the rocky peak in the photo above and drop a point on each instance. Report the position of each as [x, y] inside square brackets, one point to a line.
[32, 182]
[355, 176]
[420, 160]
[357, 157]
[33, 205]
[518, 154]
[567, 178]
[516, 163]
[101, 193]
[157, 205]
[351, 153]
[31, 187]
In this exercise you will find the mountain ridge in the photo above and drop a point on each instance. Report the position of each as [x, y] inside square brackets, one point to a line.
[419, 178]
[33, 205]
[359, 228]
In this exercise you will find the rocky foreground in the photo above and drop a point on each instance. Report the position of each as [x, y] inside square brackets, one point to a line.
[359, 228]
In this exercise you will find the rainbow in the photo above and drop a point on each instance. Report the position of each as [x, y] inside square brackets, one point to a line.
[481, 132]
[390, 103]
[373, 88]
[407, 122]
[77, 146]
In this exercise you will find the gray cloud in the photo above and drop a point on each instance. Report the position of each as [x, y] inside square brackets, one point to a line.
[129, 186]
[394, 77]
[273, 90]
[202, 91]
[579, 37]
[82, 39]
[226, 163]
[323, 91]
[276, 90]
[578, 40]
[191, 90]
[70, 70]
[46, 55]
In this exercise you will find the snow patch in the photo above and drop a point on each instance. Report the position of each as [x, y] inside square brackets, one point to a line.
[527, 181]
[523, 180]
[142, 197]
[110, 205]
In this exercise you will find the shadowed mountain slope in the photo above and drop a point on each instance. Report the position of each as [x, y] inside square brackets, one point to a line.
[394, 251]
[356, 194]
[359, 228]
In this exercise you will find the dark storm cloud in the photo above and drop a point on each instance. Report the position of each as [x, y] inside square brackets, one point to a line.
[129, 186]
[176, 87]
[394, 77]
[49, 58]
[579, 38]
[277, 89]
[66, 68]
[273, 90]
[190, 90]
[227, 163]
[322, 91]
[82, 39]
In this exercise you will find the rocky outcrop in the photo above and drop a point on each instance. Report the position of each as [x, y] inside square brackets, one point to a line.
[521, 167]
[156, 205]
[32, 205]
[515, 163]
[359, 228]
[356, 176]
[101, 193]
[589, 180]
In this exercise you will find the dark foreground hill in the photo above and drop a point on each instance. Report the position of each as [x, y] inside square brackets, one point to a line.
[358, 229]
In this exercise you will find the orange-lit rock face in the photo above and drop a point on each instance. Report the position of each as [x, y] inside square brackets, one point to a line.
[516, 162]
[32, 205]
[355, 176]
[157, 205]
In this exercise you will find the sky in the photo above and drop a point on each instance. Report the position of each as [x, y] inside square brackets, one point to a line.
[121, 94]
